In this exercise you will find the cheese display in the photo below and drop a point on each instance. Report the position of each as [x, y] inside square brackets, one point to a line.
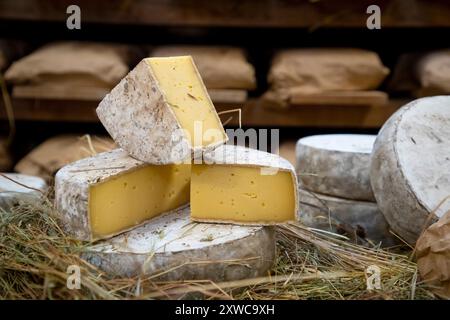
[316, 70]
[336, 164]
[220, 67]
[161, 112]
[68, 66]
[355, 218]
[172, 248]
[20, 189]
[236, 185]
[101, 196]
[410, 166]
[433, 255]
[55, 152]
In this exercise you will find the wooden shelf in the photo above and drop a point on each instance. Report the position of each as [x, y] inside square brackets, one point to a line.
[236, 13]
[253, 114]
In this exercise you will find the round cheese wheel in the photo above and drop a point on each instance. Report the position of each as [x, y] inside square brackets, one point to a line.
[352, 217]
[20, 188]
[336, 164]
[410, 169]
[171, 247]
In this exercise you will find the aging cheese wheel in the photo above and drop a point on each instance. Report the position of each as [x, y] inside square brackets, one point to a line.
[410, 167]
[336, 165]
[172, 248]
[19, 188]
[360, 218]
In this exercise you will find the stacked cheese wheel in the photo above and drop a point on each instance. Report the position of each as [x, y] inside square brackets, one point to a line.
[153, 209]
[335, 192]
[20, 189]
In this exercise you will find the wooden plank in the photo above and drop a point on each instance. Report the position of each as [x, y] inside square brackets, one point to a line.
[253, 114]
[341, 98]
[228, 96]
[59, 92]
[236, 13]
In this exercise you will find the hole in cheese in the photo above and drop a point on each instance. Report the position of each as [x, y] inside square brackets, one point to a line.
[184, 91]
[130, 198]
[241, 194]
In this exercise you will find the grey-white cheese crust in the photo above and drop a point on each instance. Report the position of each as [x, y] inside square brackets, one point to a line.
[171, 247]
[336, 164]
[410, 170]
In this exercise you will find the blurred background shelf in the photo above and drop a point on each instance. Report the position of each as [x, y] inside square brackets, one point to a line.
[235, 13]
[253, 113]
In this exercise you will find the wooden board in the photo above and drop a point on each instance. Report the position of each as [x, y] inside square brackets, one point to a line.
[243, 13]
[342, 98]
[253, 114]
[51, 92]
[228, 96]
[60, 92]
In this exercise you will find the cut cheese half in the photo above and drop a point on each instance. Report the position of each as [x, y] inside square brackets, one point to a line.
[243, 186]
[20, 189]
[336, 164]
[172, 248]
[101, 196]
[410, 166]
[161, 113]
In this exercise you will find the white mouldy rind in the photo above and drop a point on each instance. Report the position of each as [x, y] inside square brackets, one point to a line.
[410, 166]
[140, 120]
[172, 248]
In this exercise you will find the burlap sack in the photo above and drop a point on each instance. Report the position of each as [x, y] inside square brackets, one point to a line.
[220, 67]
[312, 71]
[433, 72]
[56, 152]
[433, 256]
[72, 64]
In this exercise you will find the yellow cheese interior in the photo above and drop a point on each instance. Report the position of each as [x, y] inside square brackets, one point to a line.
[130, 198]
[186, 94]
[241, 194]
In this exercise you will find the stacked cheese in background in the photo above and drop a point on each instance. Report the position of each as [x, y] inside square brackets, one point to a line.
[161, 116]
[335, 193]
[70, 70]
[298, 73]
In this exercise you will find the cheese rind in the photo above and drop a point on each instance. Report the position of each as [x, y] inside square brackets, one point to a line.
[19, 189]
[236, 185]
[334, 214]
[101, 196]
[336, 164]
[410, 166]
[172, 248]
[144, 112]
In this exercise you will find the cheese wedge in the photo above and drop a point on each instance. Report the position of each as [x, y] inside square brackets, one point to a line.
[172, 248]
[161, 113]
[101, 196]
[243, 186]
